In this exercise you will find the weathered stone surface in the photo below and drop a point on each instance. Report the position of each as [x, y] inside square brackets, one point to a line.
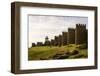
[33, 44]
[81, 34]
[39, 44]
[64, 38]
[60, 41]
[56, 40]
[71, 36]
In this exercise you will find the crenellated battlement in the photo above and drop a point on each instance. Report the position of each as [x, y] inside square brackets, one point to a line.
[81, 26]
[76, 35]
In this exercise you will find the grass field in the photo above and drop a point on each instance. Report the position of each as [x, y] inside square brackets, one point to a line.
[71, 51]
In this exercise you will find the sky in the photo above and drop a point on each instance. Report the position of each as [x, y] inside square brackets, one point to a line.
[42, 25]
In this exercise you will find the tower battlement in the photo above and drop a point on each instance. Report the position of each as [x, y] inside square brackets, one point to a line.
[71, 36]
[71, 29]
[56, 40]
[81, 26]
[64, 32]
[80, 34]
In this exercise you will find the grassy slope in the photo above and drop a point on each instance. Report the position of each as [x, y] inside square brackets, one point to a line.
[46, 52]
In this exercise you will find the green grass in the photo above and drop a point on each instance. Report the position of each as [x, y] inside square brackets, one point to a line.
[48, 53]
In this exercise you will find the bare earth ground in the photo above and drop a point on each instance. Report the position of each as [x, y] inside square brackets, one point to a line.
[71, 51]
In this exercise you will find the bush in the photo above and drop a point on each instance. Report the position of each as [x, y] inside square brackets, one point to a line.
[60, 56]
[82, 46]
[74, 52]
